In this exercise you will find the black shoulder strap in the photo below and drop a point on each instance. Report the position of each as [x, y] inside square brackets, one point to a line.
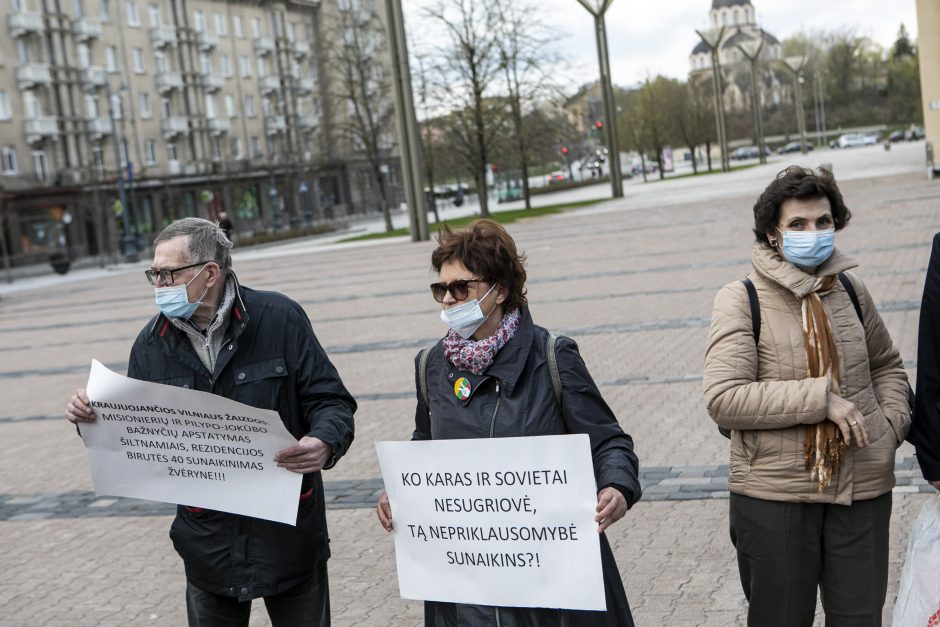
[423, 375]
[755, 308]
[850, 289]
[553, 367]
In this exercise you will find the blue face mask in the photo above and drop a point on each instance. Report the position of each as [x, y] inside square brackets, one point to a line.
[808, 249]
[174, 302]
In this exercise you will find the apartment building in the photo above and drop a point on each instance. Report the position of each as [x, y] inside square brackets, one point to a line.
[195, 106]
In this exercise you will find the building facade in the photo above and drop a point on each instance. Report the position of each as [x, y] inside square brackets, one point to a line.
[192, 106]
[928, 48]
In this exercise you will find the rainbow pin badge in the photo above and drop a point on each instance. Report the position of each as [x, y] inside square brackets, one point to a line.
[462, 388]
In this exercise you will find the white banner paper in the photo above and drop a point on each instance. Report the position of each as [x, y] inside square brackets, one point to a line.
[504, 522]
[165, 443]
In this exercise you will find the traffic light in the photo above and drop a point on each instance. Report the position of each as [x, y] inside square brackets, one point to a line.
[599, 125]
[564, 150]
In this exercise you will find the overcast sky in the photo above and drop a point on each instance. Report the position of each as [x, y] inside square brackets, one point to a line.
[649, 37]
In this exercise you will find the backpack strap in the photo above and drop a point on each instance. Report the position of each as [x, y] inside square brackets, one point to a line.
[423, 375]
[755, 308]
[853, 295]
[553, 367]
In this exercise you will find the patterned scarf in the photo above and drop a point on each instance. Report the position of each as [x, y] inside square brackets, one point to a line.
[822, 450]
[477, 356]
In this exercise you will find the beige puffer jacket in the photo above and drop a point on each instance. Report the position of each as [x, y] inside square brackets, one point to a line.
[763, 393]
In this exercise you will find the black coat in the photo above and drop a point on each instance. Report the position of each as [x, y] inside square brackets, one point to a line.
[271, 359]
[925, 428]
[513, 398]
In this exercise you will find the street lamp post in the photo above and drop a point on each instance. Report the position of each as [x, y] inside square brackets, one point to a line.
[304, 190]
[820, 109]
[795, 65]
[712, 38]
[751, 50]
[598, 8]
[128, 241]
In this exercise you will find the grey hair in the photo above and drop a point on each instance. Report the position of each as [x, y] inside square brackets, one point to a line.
[207, 242]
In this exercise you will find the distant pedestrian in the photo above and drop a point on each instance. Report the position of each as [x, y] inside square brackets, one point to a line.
[214, 335]
[500, 358]
[225, 223]
[816, 399]
[925, 430]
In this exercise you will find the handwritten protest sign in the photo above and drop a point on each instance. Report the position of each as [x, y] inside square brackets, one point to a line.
[505, 522]
[164, 443]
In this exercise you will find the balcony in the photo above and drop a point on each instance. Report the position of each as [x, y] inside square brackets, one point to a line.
[22, 23]
[163, 36]
[175, 125]
[217, 126]
[99, 126]
[168, 81]
[40, 127]
[307, 122]
[207, 41]
[85, 29]
[301, 49]
[304, 86]
[264, 45]
[94, 77]
[33, 75]
[213, 82]
[274, 124]
[269, 84]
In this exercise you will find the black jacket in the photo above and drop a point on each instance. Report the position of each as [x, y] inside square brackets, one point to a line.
[925, 428]
[271, 359]
[513, 398]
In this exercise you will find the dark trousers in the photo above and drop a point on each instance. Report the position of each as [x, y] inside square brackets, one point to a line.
[786, 550]
[306, 605]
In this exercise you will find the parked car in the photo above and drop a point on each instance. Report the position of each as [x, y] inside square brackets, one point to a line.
[854, 140]
[748, 152]
[896, 136]
[793, 147]
[915, 133]
[556, 177]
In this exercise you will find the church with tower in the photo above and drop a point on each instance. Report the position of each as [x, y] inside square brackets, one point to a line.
[738, 20]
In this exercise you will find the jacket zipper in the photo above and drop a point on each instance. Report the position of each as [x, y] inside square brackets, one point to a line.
[492, 428]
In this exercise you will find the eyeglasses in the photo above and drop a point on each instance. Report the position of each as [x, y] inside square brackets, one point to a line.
[166, 274]
[458, 289]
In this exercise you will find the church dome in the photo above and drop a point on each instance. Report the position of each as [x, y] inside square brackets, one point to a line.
[718, 4]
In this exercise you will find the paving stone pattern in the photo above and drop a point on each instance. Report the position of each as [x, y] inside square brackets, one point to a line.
[632, 283]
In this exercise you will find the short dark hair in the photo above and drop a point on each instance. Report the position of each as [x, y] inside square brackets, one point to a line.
[486, 249]
[803, 184]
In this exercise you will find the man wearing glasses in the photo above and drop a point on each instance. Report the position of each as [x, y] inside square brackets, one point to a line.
[257, 348]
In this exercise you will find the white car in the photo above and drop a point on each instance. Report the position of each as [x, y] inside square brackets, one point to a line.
[853, 140]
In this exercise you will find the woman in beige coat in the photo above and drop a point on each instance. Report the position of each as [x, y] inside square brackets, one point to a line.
[816, 401]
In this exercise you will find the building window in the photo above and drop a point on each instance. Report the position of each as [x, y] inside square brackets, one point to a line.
[8, 157]
[4, 105]
[154, 11]
[160, 59]
[171, 152]
[105, 10]
[144, 105]
[308, 32]
[91, 107]
[110, 59]
[133, 17]
[262, 67]
[266, 106]
[219, 24]
[256, 147]
[226, 64]
[22, 51]
[40, 165]
[255, 27]
[78, 8]
[117, 107]
[150, 151]
[165, 107]
[137, 55]
[238, 26]
[210, 106]
[204, 64]
[84, 55]
[216, 149]
[244, 66]
[229, 106]
[31, 105]
[98, 158]
[250, 106]
[199, 21]
[237, 148]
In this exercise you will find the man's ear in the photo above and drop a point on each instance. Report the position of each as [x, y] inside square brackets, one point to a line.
[215, 274]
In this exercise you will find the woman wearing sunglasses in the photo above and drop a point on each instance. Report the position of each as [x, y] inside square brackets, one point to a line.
[489, 377]
[800, 368]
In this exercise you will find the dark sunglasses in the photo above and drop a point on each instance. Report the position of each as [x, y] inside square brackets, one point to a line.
[458, 289]
[166, 274]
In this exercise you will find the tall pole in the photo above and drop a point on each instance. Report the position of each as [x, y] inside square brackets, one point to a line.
[128, 241]
[751, 49]
[598, 9]
[817, 113]
[3, 243]
[712, 39]
[407, 122]
[795, 65]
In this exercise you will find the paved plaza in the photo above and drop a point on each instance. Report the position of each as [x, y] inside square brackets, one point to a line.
[631, 280]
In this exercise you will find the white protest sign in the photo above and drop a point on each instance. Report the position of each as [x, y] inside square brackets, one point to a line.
[504, 522]
[165, 443]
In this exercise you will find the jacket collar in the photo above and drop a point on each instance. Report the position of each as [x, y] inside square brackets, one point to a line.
[511, 359]
[769, 264]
